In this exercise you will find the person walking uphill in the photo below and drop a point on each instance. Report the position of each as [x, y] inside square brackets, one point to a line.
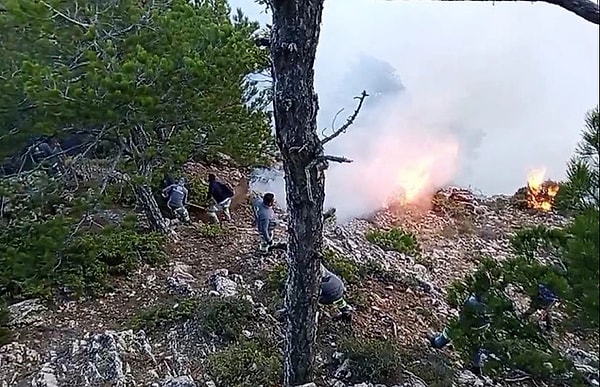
[221, 196]
[266, 220]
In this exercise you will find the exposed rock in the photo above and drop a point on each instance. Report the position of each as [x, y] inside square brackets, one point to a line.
[221, 284]
[180, 381]
[586, 363]
[95, 360]
[26, 313]
[17, 354]
[181, 280]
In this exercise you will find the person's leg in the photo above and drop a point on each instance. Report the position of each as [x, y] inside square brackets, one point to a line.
[266, 244]
[548, 316]
[172, 209]
[225, 204]
[440, 340]
[345, 310]
[478, 360]
[212, 213]
[185, 214]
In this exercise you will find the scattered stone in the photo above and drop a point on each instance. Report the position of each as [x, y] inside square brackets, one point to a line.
[180, 381]
[180, 280]
[26, 313]
[221, 284]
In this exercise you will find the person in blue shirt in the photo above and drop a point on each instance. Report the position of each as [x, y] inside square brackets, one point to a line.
[177, 195]
[544, 301]
[266, 220]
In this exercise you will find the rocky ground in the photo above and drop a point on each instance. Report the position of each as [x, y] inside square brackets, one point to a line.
[93, 342]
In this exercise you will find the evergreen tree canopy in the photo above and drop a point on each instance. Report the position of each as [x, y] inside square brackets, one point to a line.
[154, 82]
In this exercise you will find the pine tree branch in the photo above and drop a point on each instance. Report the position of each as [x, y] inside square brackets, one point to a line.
[349, 121]
[585, 9]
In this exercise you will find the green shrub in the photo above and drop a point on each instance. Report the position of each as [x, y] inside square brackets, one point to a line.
[162, 316]
[373, 360]
[36, 258]
[581, 257]
[529, 241]
[581, 190]
[209, 230]
[121, 194]
[224, 318]
[276, 277]
[517, 342]
[395, 239]
[5, 335]
[349, 270]
[197, 188]
[247, 363]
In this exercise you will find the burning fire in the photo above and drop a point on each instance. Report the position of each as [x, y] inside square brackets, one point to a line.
[429, 167]
[540, 192]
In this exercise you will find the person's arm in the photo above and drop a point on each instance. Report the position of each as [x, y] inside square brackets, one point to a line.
[185, 196]
[167, 190]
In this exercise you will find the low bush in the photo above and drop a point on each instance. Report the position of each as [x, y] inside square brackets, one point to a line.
[5, 335]
[222, 318]
[373, 360]
[38, 257]
[247, 363]
[209, 230]
[395, 239]
[161, 316]
[347, 269]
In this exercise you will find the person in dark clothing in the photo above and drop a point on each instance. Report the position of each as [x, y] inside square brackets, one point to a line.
[266, 221]
[221, 195]
[472, 317]
[544, 301]
[177, 196]
[49, 154]
[332, 293]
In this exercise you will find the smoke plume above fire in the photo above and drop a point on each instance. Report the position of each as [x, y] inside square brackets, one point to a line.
[482, 93]
[399, 155]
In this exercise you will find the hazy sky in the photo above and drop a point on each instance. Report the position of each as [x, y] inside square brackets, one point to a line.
[492, 90]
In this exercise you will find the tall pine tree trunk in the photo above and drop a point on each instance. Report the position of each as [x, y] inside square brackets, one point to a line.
[295, 34]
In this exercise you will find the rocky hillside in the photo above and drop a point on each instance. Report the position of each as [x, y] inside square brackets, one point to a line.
[207, 318]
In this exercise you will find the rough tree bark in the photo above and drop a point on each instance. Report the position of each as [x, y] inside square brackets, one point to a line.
[295, 35]
[148, 203]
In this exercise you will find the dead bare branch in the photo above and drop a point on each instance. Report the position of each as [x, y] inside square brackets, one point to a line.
[350, 119]
[66, 17]
[585, 9]
[335, 159]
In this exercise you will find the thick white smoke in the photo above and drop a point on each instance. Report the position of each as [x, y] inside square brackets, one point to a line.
[486, 93]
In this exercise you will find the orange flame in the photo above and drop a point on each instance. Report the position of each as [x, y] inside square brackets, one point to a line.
[540, 192]
[417, 179]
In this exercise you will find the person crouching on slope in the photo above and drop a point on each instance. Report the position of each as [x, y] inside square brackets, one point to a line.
[266, 221]
[177, 196]
[221, 196]
[332, 293]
